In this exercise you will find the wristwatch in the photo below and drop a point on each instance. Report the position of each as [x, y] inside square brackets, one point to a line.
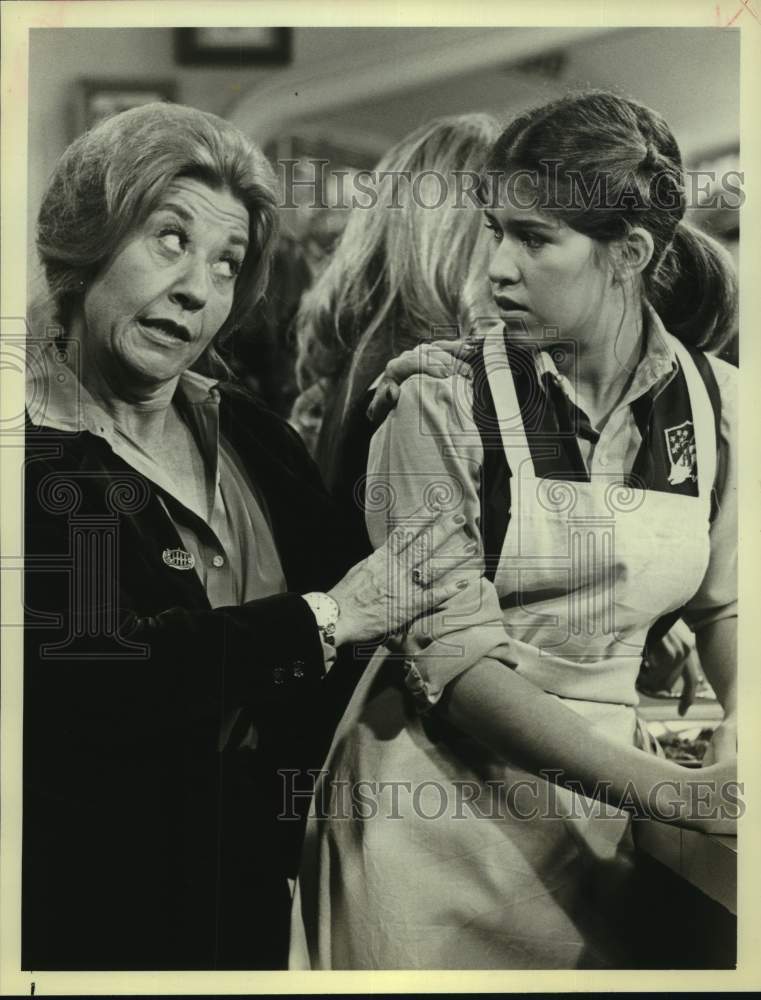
[326, 611]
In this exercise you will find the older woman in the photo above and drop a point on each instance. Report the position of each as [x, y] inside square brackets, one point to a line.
[185, 593]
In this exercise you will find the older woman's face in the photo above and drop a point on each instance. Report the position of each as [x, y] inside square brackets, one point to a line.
[164, 295]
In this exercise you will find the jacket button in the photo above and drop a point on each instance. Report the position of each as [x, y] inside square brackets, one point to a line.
[218, 561]
[278, 675]
[298, 669]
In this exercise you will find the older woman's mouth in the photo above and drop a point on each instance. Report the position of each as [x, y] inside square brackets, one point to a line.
[167, 327]
[507, 305]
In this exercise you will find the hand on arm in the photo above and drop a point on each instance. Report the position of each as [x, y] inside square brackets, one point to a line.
[416, 570]
[429, 451]
[439, 359]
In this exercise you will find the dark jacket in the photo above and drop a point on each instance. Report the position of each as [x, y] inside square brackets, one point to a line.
[146, 846]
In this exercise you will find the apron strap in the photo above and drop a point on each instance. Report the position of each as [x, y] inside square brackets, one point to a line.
[507, 408]
[705, 422]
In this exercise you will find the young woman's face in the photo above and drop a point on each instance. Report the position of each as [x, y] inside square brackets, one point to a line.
[159, 302]
[546, 279]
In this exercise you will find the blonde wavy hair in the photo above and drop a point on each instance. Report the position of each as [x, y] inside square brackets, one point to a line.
[410, 268]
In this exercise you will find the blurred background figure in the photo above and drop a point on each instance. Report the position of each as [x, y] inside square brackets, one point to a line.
[398, 277]
[263, 354]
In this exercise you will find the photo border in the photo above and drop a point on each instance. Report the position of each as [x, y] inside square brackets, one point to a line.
[18, 17]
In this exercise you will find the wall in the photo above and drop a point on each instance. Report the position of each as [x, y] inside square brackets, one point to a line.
[689, 75]
[59, 57]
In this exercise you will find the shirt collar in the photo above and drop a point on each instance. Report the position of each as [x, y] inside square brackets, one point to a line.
[655, 370]
[55, 397]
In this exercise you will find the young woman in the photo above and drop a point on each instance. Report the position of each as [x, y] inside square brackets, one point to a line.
[470, 812]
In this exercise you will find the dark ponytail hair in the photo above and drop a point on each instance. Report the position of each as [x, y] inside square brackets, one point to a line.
[604, 165]
[695, 289]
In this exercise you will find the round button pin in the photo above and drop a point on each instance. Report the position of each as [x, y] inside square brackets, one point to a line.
[218, 561]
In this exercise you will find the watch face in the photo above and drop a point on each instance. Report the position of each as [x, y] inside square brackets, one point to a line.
[329, 610]
[324, 608]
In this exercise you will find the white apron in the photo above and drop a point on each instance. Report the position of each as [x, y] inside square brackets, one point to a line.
[441, 867]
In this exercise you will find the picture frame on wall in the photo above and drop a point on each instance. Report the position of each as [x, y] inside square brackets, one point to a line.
[218, 46]
[96, 99]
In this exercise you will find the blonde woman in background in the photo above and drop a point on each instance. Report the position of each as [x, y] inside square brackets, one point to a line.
[409, 269]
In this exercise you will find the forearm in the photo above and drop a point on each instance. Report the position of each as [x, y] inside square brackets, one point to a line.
[717, 647]
[429, 450]
[517, 720]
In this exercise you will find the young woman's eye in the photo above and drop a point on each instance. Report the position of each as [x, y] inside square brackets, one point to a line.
[532, 241]
[172, 240]
[228, 268]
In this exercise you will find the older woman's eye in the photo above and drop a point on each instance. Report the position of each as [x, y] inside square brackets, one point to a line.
[496, 233]
[227, 267]
[172, 240]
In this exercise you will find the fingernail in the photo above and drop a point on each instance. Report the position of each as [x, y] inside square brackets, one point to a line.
[462, 584]
[459, 519]
[471, 547]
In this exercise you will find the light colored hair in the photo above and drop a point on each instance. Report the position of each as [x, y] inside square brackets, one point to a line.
[111, 178]
[399, 275]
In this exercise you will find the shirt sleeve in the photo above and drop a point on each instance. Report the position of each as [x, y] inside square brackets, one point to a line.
[427, 453]
[717, 596]
[328, 654]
